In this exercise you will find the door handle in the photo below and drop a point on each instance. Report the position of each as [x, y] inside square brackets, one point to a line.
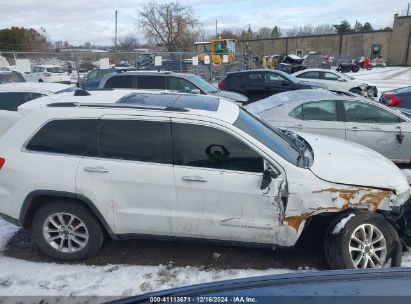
[198, 179]
[96, 169]
[297, 126]
[354, 129]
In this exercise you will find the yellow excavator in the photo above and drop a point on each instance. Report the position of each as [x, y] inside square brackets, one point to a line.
[217, 49]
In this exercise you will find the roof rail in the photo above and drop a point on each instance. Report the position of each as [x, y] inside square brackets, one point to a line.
[116, 106]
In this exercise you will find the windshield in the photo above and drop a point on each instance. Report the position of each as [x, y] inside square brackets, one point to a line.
[11, 77]
[70, 89]
[202, 84]
[272, 138]
[56, 70]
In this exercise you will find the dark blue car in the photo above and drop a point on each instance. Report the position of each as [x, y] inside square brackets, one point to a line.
[374, 286]
[400, 98]
[92, 79]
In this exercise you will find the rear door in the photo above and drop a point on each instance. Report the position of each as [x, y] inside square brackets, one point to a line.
[130, 174]
[151, 82]
[317, 117]
[378, 129]
[218, 178]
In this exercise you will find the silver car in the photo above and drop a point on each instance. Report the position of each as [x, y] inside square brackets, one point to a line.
[383, 129]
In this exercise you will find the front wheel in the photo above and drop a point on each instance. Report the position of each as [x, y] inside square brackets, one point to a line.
[66, 230]
[361, 239]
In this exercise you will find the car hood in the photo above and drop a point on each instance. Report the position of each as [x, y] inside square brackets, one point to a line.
[343, 162]
[313, 84]
[232, 95]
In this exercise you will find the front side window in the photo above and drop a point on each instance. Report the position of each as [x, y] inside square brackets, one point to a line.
[10, 101]
[63, 137]
[331, 76]
[120, 82]
[92, 75]
[207, 147]
[181, 85]
[366, 113]
[56, 70]
[316, 110]
[151, 82]
[145, 141]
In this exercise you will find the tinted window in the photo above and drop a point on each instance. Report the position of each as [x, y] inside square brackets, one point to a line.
[366, 113]
[317, 110]
[310, 75]
[256, 78]
[64, 136]
[273, 78]
[10, 101]
[146, 141]
[120, 82]
[181, 85]
[151, 82]
[92, 75]
[208, 147]
[11, 77]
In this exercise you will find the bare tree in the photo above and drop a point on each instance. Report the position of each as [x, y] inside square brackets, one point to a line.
[264, 32]
[170, 25]
[128, 43]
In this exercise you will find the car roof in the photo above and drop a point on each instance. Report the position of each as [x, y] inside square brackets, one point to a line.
[279, 105]
[174, 105]
[144, 72]
[34, 86]
[48, 66]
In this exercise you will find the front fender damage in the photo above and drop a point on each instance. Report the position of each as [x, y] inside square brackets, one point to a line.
[336, 199]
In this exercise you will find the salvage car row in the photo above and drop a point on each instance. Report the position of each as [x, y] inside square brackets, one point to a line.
[133, 160]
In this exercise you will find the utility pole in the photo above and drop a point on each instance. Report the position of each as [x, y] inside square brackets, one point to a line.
[115, 34]
[408, 9]
[216, 31]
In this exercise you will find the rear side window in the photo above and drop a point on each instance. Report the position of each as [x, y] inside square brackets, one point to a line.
[120, 82]
[63, 137]
[145, 141]
[151, 82]
[207, 147]
[317, 110]
[10, 101]
[310, 75]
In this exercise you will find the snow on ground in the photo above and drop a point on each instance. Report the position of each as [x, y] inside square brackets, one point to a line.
[387, 78]
[24, 278]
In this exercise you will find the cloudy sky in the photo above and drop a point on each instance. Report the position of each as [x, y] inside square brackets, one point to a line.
[78, 21]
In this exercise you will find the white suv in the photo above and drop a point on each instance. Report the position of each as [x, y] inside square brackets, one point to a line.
[195, 167]
[49, 73]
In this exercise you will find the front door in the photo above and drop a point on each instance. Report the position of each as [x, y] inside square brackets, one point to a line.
[218, 179]
[377, 129]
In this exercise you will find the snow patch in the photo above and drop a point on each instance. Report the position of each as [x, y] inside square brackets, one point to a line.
[407, 173]
[340, 226]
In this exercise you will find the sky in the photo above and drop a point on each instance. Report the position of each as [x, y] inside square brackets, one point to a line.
[78, 21]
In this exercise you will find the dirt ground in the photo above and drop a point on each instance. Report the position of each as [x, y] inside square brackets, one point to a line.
[306, 254]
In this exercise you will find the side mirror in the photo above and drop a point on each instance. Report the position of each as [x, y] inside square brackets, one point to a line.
[268, 176]
[341, 79]
[195, 91]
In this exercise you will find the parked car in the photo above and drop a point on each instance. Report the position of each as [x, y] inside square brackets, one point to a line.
[400, 98]
[336, 81]
[259, 84]
[12, 95]
[166, 80]
[48, 73]
[220, 174]
[306, 287]
[359, 120]
[8, 76]
[93, 78]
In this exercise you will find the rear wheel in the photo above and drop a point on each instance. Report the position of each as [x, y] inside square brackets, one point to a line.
[40, 80]
[362, 239]
[355, 68]
[66, 230]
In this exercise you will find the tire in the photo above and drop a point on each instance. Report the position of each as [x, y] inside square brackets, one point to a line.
[81, 247]
[337, 243]
[355, 68]
[40, 80]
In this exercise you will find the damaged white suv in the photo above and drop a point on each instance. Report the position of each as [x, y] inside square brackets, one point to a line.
[194, 167]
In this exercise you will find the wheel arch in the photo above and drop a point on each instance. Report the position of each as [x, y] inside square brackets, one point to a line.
[34, 200]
